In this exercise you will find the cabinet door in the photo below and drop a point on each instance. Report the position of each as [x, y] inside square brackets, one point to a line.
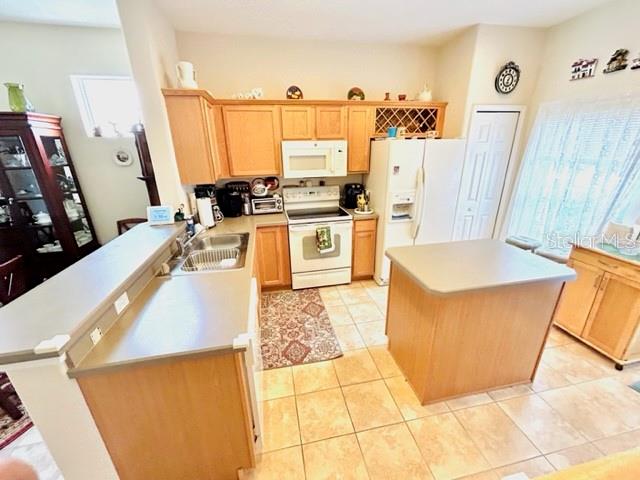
[614, 315]
[298, 123]
[272, 248]
[361, 127]
[253, 139]
[217, 141]
[191, 138]
[364, 249]
[578, 297]
[331, 122]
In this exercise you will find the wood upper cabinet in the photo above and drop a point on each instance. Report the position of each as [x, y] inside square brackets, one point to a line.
[361, 126]
[364, 249]
[253, 136]
[331, 122]
[313, 122]
[272, 249]
[298, 123]
[615, 315]
[193, 141]
[577, 297]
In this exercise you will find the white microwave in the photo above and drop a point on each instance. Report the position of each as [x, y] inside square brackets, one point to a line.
[314, 158]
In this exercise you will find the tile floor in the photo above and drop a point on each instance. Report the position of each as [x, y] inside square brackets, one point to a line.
[31, 448]
[356, 417]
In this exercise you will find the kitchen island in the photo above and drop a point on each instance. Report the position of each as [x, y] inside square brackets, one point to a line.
[471, 316]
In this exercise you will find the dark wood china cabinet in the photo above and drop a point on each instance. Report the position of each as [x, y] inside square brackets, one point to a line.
[43, 214]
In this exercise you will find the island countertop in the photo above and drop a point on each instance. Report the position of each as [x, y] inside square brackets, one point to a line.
[453, 267]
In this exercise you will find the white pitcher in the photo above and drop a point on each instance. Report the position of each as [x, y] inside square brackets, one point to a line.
[186, 75]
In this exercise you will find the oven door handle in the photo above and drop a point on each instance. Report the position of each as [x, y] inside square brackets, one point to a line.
[312, 228]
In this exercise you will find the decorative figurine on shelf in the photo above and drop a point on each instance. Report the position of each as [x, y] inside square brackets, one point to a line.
[254, 94]
[186, 75]
[387, 96]
[425, 95]
[18, 101]
[294, 93]
[635, 63]
[402, 97]
[618, 61]
[583, 68]
[179, 215]
[355, 93]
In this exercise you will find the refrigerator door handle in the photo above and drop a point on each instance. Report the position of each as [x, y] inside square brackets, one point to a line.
[417, 219]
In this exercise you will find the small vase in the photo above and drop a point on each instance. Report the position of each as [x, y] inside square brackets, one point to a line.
[18, 102]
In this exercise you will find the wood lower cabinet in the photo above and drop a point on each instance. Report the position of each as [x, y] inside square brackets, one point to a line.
[364, 249]
[181, 417]
[253, 138]
[615, 315]
[272, 250]
[602, 307]
[361, 126]
[577, 297]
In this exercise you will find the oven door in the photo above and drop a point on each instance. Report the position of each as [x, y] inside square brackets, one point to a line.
[304, 251]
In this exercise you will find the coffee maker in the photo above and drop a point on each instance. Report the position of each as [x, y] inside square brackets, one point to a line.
[350, 194]
[231, 198]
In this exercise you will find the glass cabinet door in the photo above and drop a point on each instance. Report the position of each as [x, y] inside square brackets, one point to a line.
[65, 181]
[21, 200]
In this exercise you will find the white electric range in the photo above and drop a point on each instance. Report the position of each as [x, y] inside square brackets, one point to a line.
[308, 208]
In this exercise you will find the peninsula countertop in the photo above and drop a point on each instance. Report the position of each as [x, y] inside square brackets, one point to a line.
[60, 305]
[454, 267]
[183, 314]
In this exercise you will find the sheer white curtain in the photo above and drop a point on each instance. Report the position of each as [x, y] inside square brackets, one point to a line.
[581, 169]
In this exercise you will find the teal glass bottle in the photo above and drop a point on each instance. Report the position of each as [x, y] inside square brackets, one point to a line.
[18, 102]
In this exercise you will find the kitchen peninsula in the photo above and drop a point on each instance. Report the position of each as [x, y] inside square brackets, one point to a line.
[104, 349]
[470, 316]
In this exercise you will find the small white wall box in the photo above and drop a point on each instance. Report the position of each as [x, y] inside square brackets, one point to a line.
[160, 215]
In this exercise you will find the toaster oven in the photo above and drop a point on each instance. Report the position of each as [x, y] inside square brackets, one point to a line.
[266, 205]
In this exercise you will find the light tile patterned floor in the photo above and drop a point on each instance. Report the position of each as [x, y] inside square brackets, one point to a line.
[356, 417]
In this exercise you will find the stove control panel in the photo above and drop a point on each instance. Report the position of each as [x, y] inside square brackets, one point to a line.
[311, 194]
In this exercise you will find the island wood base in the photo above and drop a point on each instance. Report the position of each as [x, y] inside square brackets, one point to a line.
[468, 342]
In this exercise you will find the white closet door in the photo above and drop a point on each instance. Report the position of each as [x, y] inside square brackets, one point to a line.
[491, 138]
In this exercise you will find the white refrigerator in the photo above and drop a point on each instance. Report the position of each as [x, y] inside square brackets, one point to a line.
[414, 185]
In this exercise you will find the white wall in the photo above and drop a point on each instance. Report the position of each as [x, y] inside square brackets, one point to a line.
[323, 70]
[454, 64]
[595, 34]
[153, 54]
[42, 57]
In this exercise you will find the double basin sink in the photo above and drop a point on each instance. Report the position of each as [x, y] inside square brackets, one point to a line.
[208, 252]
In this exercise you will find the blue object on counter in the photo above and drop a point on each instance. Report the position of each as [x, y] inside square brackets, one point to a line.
[392, 131]
[191, 226]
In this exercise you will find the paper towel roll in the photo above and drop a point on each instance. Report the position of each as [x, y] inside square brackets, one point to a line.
[205, 212]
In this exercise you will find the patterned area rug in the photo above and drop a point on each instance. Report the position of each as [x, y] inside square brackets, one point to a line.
[295, 329]
[11, 429]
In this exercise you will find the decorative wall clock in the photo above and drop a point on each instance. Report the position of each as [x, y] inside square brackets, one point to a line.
[507, 78]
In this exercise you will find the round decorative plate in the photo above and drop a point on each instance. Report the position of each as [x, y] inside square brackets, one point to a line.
[294, 93]
[507, 78]
[355, 93]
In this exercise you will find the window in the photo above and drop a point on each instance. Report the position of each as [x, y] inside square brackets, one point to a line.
[109, 106]
[580, 170]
